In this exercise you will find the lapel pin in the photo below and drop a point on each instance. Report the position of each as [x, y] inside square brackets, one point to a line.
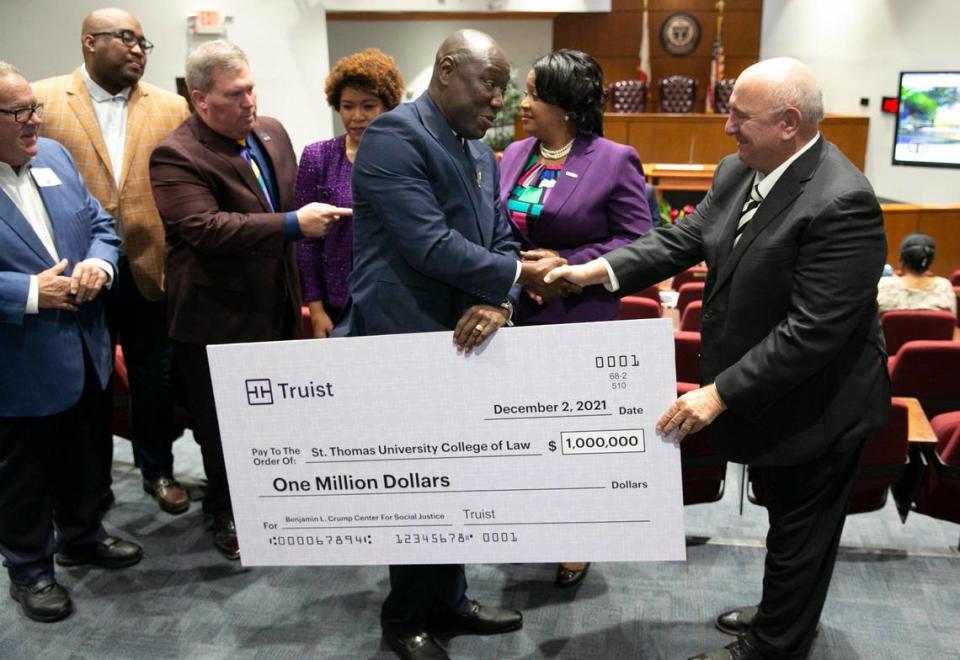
[572, 175]
[264, 137]
[479, 177]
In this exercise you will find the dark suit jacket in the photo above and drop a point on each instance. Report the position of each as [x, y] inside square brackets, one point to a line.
[230, 272]
[790, 332]
[598, 204]
[428, 241]
[41, 354]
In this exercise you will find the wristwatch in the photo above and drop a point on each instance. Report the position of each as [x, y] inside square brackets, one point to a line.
[507, 305]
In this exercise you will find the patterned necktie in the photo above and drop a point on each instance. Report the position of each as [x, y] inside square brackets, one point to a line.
[749, 209]
[248, 156]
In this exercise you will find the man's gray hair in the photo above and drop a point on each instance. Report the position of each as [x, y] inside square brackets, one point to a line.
[804, 94]
[791, 84]
[209, 57]
[7, 69]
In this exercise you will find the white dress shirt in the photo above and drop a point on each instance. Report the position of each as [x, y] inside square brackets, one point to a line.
[21, 188]
[111, 110]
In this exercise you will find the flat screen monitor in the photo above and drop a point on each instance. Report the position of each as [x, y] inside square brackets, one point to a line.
[928, 121]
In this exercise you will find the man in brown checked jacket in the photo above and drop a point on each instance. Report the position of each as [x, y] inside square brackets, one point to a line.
[110, 122]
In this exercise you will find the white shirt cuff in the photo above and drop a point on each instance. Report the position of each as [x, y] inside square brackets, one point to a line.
[105, 266]
[516, 278]
[614, 284]
[33, 296]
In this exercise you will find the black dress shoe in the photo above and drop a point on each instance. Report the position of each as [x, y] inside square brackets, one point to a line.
[169, 494]
[479, 620]
[568, 577]
[112, 552]
[738, 650]
[225, 536]
[44, 600]
[415, 646]
[736, 622]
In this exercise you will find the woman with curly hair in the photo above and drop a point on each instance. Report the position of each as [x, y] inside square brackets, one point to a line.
[570, 192]
[360, 87]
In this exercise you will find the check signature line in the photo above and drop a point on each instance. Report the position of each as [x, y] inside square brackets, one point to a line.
[556, 522]
[434, 492]
[372, 526]
[497, 419]
[418, 458]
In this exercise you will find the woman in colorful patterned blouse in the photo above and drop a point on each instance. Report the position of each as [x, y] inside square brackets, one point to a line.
[915, 289]
[360, 87]
[570, 192]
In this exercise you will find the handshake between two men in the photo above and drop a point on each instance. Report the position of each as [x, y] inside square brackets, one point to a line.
[481, 321]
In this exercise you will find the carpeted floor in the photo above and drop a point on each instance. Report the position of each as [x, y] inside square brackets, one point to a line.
[895, 594]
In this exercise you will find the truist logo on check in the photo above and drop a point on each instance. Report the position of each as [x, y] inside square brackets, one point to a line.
[260, 391]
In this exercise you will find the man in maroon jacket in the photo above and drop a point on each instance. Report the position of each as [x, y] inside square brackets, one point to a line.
[223, 182]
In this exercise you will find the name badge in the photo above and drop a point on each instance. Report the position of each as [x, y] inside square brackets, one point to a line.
[45, 177]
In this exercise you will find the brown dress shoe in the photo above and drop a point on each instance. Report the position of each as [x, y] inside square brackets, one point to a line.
[225, 536]
[170, 495]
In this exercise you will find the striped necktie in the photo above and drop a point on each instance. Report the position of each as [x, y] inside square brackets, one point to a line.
[749, 209]
[248, 156]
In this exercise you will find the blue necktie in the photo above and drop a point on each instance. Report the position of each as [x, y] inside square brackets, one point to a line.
[249, 157]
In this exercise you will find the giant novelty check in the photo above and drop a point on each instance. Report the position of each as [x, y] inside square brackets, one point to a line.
[537, 447]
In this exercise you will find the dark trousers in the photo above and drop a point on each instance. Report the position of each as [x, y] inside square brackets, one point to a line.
[191, 360]
[50, 478]
[807, 507]
[416, 591]
[140, 326]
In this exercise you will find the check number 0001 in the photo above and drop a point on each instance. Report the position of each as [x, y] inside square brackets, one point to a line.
[600, 442]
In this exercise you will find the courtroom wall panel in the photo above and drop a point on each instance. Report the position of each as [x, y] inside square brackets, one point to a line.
[614, 39]
[941, 222]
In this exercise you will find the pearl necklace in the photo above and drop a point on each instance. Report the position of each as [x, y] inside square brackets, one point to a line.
[556, 154]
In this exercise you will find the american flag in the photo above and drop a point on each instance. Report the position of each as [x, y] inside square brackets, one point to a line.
[717, 64]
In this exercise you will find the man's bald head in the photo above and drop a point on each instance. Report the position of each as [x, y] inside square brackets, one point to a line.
[775, 110]
[790, 84]
[110, 62]
[469, 75]
[105, 19]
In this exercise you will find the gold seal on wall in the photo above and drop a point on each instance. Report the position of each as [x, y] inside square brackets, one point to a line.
[680, 33]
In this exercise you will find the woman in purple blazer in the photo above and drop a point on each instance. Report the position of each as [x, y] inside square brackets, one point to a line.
[360, 87]
[570, 192]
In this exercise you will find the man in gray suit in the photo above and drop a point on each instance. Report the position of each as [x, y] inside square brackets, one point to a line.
[432, 252]
[792, 358]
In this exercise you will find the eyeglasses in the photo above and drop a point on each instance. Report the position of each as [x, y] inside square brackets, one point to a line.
[128, 38]
[22, 115]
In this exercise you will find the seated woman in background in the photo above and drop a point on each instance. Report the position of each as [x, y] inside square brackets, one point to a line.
[570, 192]
[360, 87]
[914, 289]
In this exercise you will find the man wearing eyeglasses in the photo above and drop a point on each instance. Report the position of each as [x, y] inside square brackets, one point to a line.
[58, 251]
[110, 121]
